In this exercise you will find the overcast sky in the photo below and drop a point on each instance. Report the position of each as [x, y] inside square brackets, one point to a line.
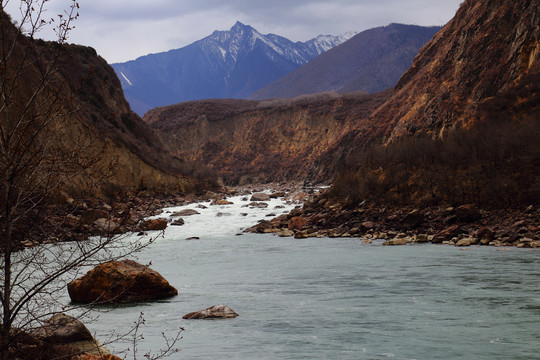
[122, 30]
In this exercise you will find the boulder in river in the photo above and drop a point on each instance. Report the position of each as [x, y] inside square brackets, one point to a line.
[178, 222]
[260, 197]
[120, 282]
[397, 241]
[221, 202]
[186, 212]
[153, 224]
[213, 312]
[277, 194]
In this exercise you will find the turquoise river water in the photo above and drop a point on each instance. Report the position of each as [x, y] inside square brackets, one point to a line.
[333, 298]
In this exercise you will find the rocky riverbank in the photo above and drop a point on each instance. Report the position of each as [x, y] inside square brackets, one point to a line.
[76, 220]
[463, 225]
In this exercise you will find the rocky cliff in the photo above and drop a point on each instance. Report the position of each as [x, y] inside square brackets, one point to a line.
[462, 125]
[250, 141]
[488, 49]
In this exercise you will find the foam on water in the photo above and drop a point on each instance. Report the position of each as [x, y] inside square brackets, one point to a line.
[222, 220]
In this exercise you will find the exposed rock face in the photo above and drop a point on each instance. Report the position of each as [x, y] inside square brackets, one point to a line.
[253, 141]
[213, 312]
[481, 53]
[120, 282]
[483, 65]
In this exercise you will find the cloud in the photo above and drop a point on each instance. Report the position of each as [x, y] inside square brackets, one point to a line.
[121, 30]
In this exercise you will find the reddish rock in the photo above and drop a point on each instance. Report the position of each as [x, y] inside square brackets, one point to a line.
[447, 234]
[367, 225]
[413, 219]
[221, 202]
[277, 194]
[104, 227]
[260, 197]
[91, 215]
[297, 223]
[213, 312]
[300, 197]
[153, 224]
[485, 233]
[98, 357]
[120, 282]
[468, 213]
[72, 221]
[186, 212]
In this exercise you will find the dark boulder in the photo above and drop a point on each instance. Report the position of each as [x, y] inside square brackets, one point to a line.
[213, 312]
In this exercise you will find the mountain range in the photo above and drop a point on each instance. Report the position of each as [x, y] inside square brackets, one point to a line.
[371, 61]
[226, 64]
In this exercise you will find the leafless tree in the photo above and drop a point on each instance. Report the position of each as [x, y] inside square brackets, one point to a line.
[37, 159]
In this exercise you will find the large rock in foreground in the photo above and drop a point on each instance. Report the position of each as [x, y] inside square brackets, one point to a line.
[68, 336]
[63, 329]
[120, 282]
[213, 312]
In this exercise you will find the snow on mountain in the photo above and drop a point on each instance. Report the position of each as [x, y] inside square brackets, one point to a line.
[226, 64]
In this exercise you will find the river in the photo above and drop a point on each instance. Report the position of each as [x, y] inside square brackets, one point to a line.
[332, 298]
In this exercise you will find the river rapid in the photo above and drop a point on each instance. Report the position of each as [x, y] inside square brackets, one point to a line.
[331, 298]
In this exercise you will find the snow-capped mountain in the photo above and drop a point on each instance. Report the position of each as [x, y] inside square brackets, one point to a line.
[226, 64]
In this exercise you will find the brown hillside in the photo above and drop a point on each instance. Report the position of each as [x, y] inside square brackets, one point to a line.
[260, 140]
[81, 118]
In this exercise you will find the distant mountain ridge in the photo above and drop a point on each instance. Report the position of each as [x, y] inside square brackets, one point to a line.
[371, 61]
[226, 64]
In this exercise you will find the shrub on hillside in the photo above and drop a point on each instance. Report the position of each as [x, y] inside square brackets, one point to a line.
[494, 164]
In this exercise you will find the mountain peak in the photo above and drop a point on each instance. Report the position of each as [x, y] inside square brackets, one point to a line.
[226, 64]
[240, 27]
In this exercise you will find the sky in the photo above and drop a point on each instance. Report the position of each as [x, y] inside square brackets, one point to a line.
[122, 30]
